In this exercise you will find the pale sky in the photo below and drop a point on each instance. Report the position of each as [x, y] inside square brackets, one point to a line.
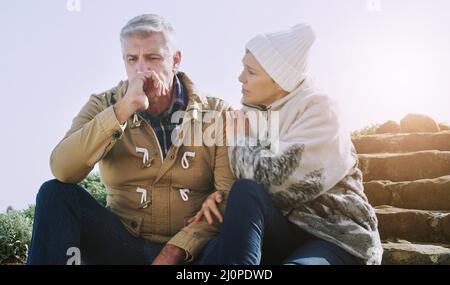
[380, 60]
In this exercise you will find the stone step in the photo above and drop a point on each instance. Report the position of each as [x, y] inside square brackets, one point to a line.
[415, 254]
[424, 194]
[405, 166]
[403, 142]
[413, 225]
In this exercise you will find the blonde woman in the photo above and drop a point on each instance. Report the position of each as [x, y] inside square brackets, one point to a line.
[299, 197]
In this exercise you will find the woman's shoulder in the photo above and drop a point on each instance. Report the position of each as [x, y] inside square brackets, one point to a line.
[313, 101]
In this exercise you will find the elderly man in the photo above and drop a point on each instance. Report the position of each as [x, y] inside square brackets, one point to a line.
[154, 185]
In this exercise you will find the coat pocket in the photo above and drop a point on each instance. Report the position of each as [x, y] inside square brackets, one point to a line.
[184, 204]
[123, 204]
[193, 169]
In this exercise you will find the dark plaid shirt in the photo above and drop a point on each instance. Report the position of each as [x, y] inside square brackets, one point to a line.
[162, 124]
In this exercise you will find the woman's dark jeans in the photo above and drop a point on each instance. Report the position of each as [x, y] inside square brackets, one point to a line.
[255, 232]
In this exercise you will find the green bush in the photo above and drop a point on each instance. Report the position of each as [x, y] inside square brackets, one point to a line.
[95, 187]
[16, 226]
[15, 236]
[368, 130]
[29, 212]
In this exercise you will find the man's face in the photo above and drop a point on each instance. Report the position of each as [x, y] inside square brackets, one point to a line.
[149, 53]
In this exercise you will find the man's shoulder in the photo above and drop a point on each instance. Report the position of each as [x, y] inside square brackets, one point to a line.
[110, 97]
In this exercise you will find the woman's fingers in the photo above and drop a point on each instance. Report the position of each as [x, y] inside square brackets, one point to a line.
[215, 211]
[209, 206]
[192, 219]
[207, 215]
[198, 216]
[219, 198]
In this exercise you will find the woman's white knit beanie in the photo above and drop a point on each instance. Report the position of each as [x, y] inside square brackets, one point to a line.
[284, 54]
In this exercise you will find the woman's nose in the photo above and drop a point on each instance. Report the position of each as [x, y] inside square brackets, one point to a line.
[241, 77]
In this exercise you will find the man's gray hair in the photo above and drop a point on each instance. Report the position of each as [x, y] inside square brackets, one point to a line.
[146, 24]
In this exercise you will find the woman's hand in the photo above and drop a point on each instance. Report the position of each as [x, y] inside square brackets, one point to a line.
[207, 207]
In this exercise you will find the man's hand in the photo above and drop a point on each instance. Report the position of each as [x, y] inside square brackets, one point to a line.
[154, 86]
[170, 255]
[141, 87]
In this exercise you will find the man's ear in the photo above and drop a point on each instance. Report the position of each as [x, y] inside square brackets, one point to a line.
[176, 60]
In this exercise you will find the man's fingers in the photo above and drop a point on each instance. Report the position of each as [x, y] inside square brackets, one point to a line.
[141, 77]
[155, 78]
[152, 76]
[164, 92]
[156, 81]
[161, 88]
[219, 198]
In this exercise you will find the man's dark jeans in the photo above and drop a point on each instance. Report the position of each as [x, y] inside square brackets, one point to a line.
[67, 216]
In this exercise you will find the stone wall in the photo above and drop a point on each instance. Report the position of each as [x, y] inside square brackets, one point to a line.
[406, 172]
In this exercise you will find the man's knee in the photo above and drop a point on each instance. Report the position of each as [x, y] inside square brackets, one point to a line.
[52, 191]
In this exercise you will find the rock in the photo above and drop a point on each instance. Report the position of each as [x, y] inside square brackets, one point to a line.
[388, 127]
[404, 166]
[406, 176]
[444, 126]
[402, 142]
[417, 123]
[424, 194]
[419, 254]
[413, 225]
[378, 192]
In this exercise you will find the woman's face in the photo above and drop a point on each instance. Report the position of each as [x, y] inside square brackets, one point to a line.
[257, 86]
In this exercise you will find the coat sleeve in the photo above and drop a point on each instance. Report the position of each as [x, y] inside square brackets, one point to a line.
[195, 236]
[311, 157]
[93, 133]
